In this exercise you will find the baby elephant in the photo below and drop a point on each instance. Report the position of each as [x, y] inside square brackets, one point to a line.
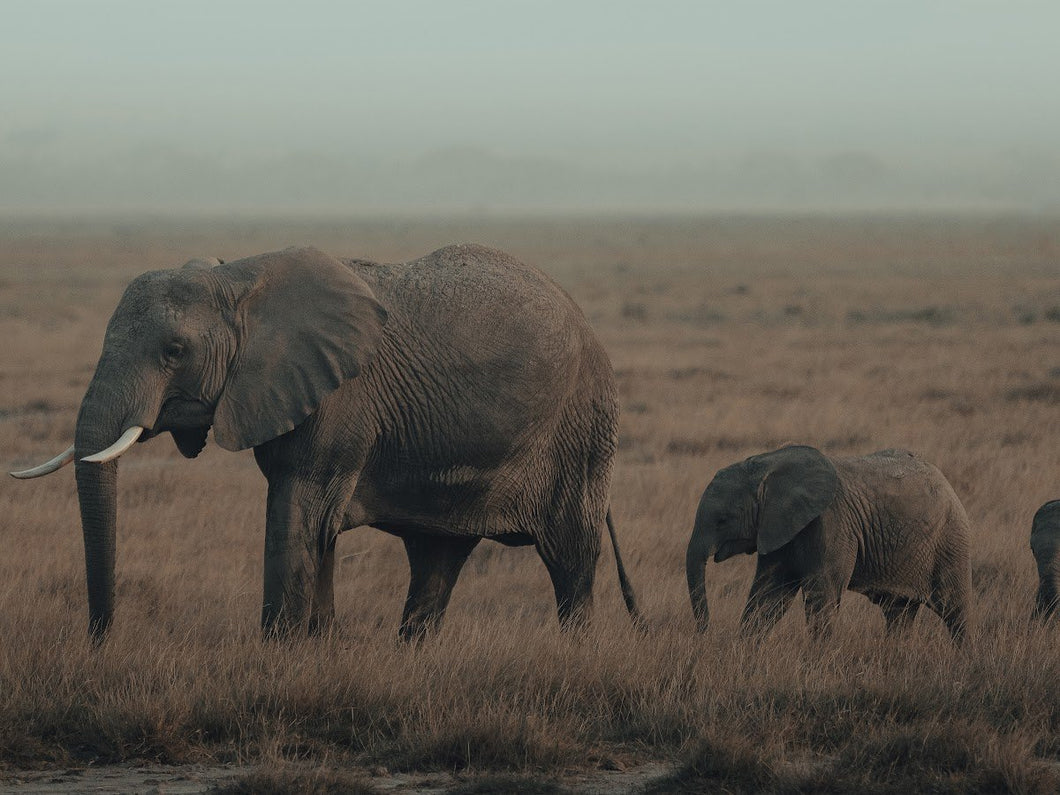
[1045, 544]
[887, 525]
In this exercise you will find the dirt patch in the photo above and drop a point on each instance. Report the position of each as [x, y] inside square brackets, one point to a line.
[171, 780]
[195, 779]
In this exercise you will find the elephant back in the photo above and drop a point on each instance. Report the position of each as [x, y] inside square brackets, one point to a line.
[479, 308]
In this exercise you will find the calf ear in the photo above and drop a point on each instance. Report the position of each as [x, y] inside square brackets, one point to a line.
[306, 323]
[799, 483]
[202, 263]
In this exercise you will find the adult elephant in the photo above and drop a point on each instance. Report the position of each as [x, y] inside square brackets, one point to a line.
[887, 525]
[456, 397]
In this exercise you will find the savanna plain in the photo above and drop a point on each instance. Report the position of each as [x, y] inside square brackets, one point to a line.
[729, 336]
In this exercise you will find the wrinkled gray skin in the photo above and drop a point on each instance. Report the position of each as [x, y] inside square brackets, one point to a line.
[887, 525]
[1045, 544]
[457, 397]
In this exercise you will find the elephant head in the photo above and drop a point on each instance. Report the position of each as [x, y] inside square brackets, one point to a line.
[758, 505]
[1045, 545]
[250, 348]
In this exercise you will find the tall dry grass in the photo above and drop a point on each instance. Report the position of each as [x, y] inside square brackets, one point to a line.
[728, 336]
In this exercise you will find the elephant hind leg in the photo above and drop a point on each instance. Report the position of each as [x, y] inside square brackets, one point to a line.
[571, 562]
[950, 603]
[899, 612]
[434, 565]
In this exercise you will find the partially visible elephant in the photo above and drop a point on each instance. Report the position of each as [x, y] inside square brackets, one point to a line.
[887, 525]
[1045, 544]
[456, 397]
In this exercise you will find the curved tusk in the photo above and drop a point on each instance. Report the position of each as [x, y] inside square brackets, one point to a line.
[125, 441]
[47, 467]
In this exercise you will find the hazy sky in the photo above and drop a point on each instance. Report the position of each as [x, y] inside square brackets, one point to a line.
[615, 87]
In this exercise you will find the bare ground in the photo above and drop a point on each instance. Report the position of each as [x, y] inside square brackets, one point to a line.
[195, 779]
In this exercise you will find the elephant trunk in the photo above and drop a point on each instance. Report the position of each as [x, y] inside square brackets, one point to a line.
[1048, 598]
[1045, 545]
[97, 493]
[699, 549]
[99, 423]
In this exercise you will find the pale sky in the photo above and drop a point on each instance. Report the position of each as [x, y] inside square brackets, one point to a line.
[630, 90]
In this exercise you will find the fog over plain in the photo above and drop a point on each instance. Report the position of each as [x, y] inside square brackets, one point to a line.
[421, 106]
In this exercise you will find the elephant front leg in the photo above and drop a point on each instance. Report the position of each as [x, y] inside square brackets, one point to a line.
[772, 592]
[322, 611]
[298, 572]
[821, 603]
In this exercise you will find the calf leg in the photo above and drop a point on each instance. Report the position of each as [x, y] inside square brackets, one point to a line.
[821, 605]
[772, 592]
[899, 612]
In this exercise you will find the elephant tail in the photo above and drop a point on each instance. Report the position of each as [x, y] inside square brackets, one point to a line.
[628, 596]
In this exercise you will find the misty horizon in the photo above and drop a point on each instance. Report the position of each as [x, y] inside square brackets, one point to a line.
[520, 106]
[462, 179]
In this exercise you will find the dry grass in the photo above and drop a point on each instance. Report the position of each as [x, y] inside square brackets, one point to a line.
[283, 778]
[729, 336]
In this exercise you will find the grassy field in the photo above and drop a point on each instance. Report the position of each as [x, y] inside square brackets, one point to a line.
[729, 336]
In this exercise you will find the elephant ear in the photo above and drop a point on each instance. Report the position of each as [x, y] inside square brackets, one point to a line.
[306, 323]
[798, 485]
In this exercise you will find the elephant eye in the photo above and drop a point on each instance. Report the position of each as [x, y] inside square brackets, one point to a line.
[174, 350]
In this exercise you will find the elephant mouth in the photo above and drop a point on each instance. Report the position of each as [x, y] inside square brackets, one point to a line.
[189, 422]
[182, 414]
[728, 549]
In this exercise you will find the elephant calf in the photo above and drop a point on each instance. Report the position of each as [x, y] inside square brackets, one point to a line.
[1045, 544]
[887, 525]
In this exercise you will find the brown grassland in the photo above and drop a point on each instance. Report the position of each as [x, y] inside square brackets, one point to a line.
[729, 336]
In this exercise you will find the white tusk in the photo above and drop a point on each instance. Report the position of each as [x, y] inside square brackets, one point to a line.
[125, 441]
[47, 467]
